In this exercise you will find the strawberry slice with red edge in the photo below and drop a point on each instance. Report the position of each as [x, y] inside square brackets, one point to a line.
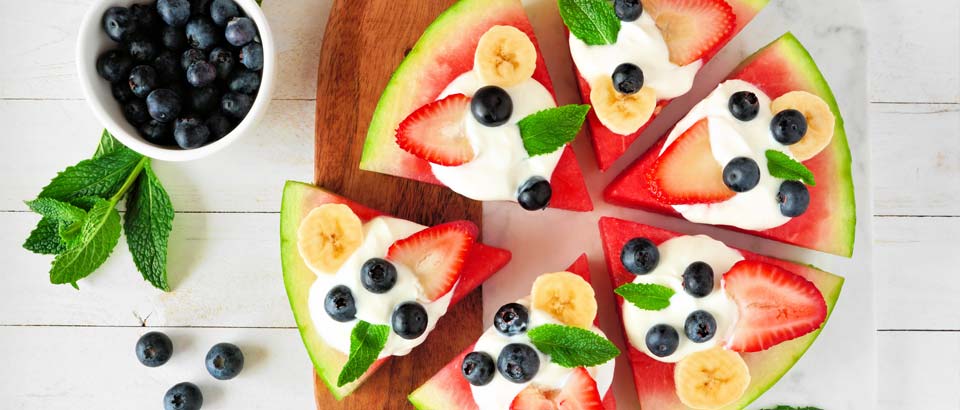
[774, 304]
[435, 132]
[436, 255]
[579, 393]
[692, 29]
[687, 172]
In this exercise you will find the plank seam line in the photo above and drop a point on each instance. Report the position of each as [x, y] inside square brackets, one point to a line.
[915, 102]
[148, 327]
[27, 211]
[914, 216]
[918, 330]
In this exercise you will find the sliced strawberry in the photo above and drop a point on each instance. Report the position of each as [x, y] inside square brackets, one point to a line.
[687, 172]
[774, 304]
[693, 29]
[436, 255]
[435, 132]
[580, 393]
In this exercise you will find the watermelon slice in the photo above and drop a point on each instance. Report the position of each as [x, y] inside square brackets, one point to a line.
[829, 222]
[298, 200]
[443, 53]
[448, 390]
[654, 379]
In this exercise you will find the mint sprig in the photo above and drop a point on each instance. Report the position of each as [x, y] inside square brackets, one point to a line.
[366, 343]
[570, 346]
[592, 21]
[646, 296]
[546, 131]
[781, 166]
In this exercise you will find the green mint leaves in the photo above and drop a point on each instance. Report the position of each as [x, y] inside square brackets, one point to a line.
[97, 238]
[148, 222]
[366, 342]
[783, 167]
[592, 21]
[546, 131]
[646, 296]
[571, 346]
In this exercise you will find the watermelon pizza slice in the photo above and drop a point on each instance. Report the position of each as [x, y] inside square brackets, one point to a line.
[542, 352]
[472, 107]
[376, 285]
[764, 153]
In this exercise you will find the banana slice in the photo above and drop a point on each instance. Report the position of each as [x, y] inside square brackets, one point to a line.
[567, 297]
[623, 114]
[711, 379]
[328, 236]
[820, 122]
[505, 56]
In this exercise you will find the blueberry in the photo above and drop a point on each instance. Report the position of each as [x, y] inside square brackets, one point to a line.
[136, 112]
[190, 133]
[409, 320]
[223, 60]
[167, 67]
[201, 33]
[184, 396]
[511, 319]
[219, 126]
[240, 31]
[662, 340]
[478, 368]
[142, 80]
[222, 11]
[114, 65]
[121, 91]
[628, 10]
[518, 362]
[156, 132]
[339, 304]
[744, 105]
[224, 361]
[146, 16]
[251, 56]
[204, 100]
[191, 56]
[698, 279]
[378, 275]
[142, 48]
[244, 81]
[200, 7]
[174, 12]
[741, 174]
[173, 38]
[163, 105]
[236, 105]
[640, 256]
[534, 194]
[119, 23]
[154, 349]
[794, 198]
[491, 106]
[700, 326]
[788, 127]
[201, 74]
[627, 78]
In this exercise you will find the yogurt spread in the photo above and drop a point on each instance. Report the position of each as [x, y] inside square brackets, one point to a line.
[378, 234]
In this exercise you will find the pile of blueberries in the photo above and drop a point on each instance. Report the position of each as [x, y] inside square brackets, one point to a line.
[517, 362]
[185, 72]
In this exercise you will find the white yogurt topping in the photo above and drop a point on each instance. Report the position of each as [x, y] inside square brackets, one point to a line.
[499, 393]
[378, 234]
[675, 255]
[756, 209]
[501, 163]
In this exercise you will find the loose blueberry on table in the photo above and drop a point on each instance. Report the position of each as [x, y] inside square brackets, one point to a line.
[154, 349]
[224, 361]
[183, 396]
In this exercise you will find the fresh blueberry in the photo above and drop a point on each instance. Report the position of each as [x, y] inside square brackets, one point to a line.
[136, 112]
[163, 105]
[219, 126]
[154, 349]
[223, 60]
[173, 38]
[478, 368]
[518, 362]
[142, 80]
[167, 67]
[201, 33]
[627, 78]
[142, 48]
[628, 10]
[174, 12]
[224, 361]
[491, 106]
[201, 74]
[119, 23]
[251, 56]
[409, 320]
[794, 198]
[156, 132]
[146, 16]
[741, 174]
[236, 105]
[240, 31]
[534, 194]
[511, 319]
[700, 326]
[191, 133]
[662, 340]
[191, 56]
[184, 396]
[204, 100]
[114, 65]
[121, 91]
[744, 105]
[378, 275]
[200, 7]
[339, 304]
[221, 11]
[640, 256]
[698, 279]
[244, 81]
[788, 126]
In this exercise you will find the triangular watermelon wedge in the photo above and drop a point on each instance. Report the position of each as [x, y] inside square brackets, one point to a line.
[448, 390]
[444, 52]
[298, 200]
[654, 379]
[829, 223]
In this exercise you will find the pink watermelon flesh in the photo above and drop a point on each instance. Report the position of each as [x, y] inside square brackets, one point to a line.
[830, 221]
[448, 390]
[298, 200]
[444, 52]
[654, 379]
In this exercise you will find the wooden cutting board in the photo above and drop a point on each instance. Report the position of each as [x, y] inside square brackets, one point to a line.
[364, 42]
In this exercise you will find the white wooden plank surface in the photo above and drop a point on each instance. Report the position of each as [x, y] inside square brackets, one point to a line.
[918, 371]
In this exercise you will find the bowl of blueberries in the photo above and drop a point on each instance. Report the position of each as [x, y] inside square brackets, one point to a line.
[177, 80]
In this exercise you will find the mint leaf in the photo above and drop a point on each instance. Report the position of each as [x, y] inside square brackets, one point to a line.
[571, 346]
[97, 238]
[783, 167]
[108, 145]
[548, 130]
[101, 177]
[366, 342]
[45, 238]
[793, 408]
[592, 21]
[646, 296]
[57, 210]
[147, 223]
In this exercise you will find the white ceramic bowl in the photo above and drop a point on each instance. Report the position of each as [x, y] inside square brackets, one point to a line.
[92, 41]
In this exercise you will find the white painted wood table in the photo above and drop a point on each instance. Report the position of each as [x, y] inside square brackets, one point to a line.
[63, 349]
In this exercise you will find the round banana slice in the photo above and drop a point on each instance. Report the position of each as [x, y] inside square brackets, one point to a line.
[820, 122]
[328, 236]
[565, 296]
[505, 56]
[623, 114]
[711, 379]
